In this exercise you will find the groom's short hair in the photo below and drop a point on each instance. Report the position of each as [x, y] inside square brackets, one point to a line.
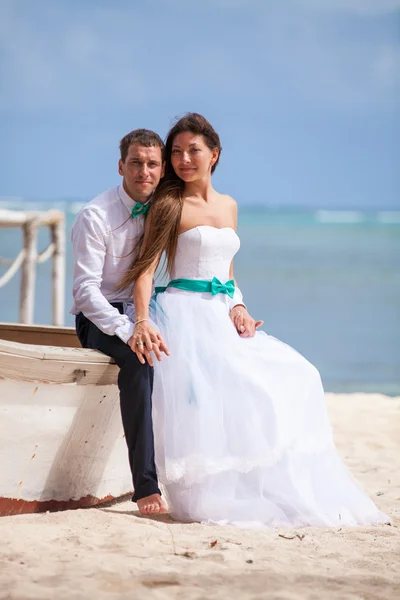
[142, 137]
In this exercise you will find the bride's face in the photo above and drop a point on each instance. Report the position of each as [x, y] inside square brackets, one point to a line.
[191, 158]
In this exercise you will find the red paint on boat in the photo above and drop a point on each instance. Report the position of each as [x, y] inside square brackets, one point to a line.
[12, 506]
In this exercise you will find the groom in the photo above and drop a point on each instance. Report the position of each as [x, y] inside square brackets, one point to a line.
[103, 237]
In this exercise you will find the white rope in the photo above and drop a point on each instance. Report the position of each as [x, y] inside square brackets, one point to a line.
[29, 257]
[16, 264]
[46, 254]
[13, 269]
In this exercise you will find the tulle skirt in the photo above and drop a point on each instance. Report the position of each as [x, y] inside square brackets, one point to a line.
[241, 429]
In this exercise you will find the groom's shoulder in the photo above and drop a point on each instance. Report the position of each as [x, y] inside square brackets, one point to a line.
[97, 214]
[101, 206]
[104, 201]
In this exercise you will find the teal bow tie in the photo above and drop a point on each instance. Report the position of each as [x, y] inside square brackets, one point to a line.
[222, 288]
[140, 209]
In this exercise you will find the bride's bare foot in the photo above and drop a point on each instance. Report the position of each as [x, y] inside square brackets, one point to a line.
[152, 505]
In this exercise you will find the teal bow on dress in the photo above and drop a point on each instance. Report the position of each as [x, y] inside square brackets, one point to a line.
[222, 288]
[200, 285]
[140, 209]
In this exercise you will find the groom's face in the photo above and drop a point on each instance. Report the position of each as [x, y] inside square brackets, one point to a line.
[141, 171]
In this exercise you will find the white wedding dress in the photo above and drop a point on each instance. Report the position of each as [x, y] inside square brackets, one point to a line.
[241, 429]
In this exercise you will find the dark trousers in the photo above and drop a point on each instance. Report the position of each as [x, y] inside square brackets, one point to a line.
[135, 382]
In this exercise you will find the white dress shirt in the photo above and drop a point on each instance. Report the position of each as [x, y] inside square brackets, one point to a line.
[103, 237]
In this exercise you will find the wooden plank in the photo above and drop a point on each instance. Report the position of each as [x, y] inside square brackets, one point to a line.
[38, 368]
[44, 335]
[28, 272]
[54, 353]
[14, 218]
[27, 260]
[58, 272]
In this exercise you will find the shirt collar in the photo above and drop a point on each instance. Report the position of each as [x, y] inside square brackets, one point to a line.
[127, 200]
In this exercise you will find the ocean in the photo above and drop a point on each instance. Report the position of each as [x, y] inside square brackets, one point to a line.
[325, 282]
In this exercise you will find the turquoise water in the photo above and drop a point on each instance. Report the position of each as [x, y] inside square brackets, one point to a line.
[325, 282]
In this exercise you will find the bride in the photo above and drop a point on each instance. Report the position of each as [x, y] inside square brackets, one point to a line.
[241, 428]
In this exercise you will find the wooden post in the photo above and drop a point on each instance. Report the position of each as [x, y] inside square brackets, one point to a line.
[28, 258]
[28, 273]
[58, 272]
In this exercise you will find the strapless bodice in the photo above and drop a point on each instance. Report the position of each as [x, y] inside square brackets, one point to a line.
[205, 252]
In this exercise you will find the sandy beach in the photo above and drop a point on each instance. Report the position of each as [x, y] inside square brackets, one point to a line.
[111, 552]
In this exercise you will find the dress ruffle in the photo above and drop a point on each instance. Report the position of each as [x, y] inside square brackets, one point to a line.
[241, 428]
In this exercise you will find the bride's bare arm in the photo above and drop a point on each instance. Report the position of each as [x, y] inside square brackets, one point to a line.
[142, 294]
[245, 324]
[145, 337]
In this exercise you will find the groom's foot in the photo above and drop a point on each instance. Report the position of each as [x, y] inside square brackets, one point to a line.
[152, 505]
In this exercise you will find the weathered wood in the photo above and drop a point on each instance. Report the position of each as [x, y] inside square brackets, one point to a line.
[61, 445]
[29, 257]
[90, 372]
[54, 353]
[14, 218]
[58, 239]
[55, 364]
[43, 335]
[61, 439]
[28, 272]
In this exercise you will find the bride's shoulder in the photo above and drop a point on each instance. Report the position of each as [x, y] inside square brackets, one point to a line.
[229, 207]
[229, 201]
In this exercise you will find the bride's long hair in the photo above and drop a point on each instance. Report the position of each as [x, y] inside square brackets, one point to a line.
[164, 216]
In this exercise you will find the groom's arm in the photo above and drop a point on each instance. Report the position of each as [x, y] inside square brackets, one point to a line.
[88, 238]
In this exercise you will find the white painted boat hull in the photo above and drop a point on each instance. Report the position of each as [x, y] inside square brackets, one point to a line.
[61, 439]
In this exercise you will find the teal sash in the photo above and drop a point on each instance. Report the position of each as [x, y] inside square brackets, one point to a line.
[200, 285]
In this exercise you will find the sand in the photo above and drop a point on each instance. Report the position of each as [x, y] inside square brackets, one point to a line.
[112, 552]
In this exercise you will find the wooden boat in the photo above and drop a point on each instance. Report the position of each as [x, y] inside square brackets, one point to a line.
[61, 439]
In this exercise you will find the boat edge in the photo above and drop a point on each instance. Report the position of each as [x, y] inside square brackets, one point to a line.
[13, 506]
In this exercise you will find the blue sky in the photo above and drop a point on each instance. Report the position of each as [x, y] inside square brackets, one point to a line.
[304, 93]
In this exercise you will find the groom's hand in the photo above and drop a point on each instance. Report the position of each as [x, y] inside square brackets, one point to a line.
[145, 340]
[244, 323]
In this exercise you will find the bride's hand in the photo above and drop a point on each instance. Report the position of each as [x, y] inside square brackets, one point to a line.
[244, 323]
[146, 339]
